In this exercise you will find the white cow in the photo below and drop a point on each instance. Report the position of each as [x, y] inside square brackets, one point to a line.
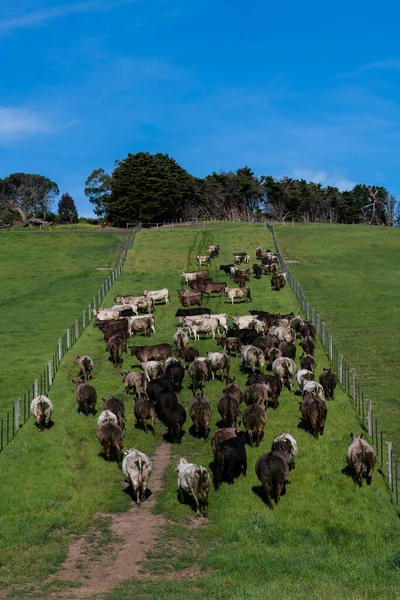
[42, 409]
[193, 479]
[233, 293]
[153, 369]
[158, 295]
[302, 376]
[131, 320]
[204, 326]
[284, 368]
[107, 416]
[193, 275]
[285, 441]
[222, 318]
[315, 388]
[244, 321]
[106, 314]
[137, 468]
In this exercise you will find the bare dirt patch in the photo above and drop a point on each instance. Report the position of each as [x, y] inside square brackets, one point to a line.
[133, 533]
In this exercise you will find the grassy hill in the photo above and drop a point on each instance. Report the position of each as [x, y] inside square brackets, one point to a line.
[326, 539]
[46, 281]
[351, 276]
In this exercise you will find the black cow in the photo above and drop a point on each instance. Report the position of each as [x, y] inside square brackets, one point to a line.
[230, 459]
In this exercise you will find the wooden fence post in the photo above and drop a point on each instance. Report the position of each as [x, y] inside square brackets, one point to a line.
[389, 463]
[59, 349]
[341, 369]
[36, 388]
[76, 330]
[83, 320]
[68, 332]
[17, 413]
[354, 384]
[369, 417]
[50, 369]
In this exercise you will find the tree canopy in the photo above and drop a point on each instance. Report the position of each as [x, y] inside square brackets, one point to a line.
[27, 195]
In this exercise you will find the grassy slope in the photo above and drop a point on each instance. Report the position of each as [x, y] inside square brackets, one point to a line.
[46, 281]
[327, 538]
[351, 275]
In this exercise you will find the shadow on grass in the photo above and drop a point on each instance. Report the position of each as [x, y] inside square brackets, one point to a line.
[129, 491]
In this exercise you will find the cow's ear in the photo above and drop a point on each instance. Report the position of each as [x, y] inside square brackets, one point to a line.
[361, 435]
[351, 435]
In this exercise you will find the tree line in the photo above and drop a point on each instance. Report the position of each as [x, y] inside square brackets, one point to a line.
[154, 188]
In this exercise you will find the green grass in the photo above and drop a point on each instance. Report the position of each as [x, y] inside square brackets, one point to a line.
[46, 282]
[326, 539]
[351, 276]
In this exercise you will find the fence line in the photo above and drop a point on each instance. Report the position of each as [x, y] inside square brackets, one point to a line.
[19, 413]
[348, 380]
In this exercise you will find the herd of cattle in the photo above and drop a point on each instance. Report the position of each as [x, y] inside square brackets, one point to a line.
[259, 339]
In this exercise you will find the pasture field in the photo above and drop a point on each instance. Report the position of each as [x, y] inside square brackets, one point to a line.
[327, 538]
[351, 276]
[46, 281]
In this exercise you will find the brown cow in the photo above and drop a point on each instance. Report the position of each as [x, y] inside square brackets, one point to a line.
[200, 413]
[362, 458]
[215, 288]
[254, 419]
[328, 380]
[154, 352]
[272, 469]
[228, 408]
[314, 412]
[226, 433]
[111, 437]
[86, 396]
[144, 409]
[115, 346]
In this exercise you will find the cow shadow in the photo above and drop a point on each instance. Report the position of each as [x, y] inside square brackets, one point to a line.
[113, 457]
[188, 500]
[49, 426]
[305, 426]
[129, 491]
[171, 440]
[201, 436]
[140, 427]
[91, 412]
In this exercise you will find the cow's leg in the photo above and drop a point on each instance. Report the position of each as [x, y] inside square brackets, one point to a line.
[181, 495]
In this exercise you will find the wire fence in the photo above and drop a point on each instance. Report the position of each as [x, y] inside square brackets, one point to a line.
[19, 413]
[347, 377]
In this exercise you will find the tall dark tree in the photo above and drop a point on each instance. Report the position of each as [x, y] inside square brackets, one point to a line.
[27, 195]
[98, 190]
[149, 188]
[67, 209]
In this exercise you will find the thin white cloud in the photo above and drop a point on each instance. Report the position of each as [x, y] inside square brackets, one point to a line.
[19, 122]
[32, 19]
[335, 180]
[390, 64]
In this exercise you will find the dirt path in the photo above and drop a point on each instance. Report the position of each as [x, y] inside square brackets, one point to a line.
[133, 534]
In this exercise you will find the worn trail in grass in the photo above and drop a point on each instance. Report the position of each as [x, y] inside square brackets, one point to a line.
[326, 539]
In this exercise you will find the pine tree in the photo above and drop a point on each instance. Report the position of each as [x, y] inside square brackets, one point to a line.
[67, 209]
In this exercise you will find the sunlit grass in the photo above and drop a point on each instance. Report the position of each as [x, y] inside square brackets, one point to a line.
[326, 539]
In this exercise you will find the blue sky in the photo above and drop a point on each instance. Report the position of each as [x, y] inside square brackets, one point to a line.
[304, 89]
